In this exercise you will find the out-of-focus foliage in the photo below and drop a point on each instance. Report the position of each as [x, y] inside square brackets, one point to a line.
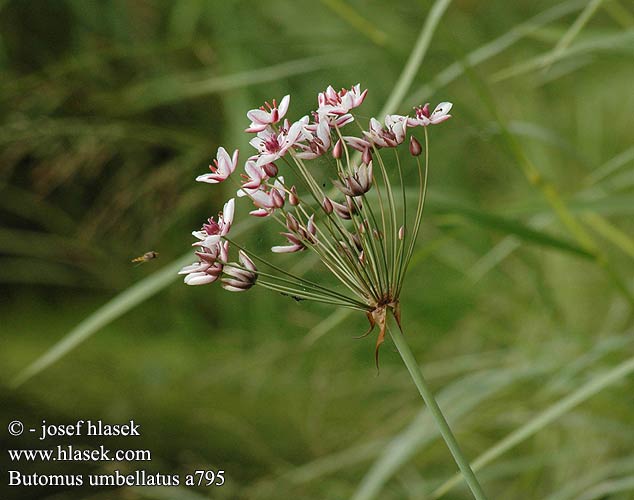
[520, 293]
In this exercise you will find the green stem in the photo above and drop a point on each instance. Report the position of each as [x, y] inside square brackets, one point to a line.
[434, 409]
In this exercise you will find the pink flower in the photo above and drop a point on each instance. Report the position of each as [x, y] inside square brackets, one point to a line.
[222, 168]
[318, 142]
[209, 268]
[333, 121]
[272, 146]
[424, 118]
[212, 232]
[254, 176]
[266, 199]
[391, 136]
[267, 114]
[296, 244]
[357, 143]
[339, 103]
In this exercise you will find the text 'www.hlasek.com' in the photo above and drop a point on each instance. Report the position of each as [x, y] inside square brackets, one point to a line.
[94, 452]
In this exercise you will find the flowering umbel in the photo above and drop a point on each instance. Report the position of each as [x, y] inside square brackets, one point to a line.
[359, 228]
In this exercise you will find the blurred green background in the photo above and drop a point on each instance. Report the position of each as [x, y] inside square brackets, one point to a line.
[518, 306]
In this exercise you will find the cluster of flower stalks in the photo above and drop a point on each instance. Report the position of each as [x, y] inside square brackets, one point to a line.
[358, 223]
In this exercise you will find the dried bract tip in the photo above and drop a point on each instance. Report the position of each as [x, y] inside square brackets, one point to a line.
[415, 148]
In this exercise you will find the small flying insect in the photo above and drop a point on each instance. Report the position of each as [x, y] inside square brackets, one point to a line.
[146, 257]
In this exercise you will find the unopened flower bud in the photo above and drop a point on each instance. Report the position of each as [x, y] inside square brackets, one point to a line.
[270, 169]
[327, 205]
[362, 257]
[277, 198]
[366, 157]
[357, 241]
[291, 222]
[337, 151]
[401, 233]
[311, 230]
[414, 146]
[354, 207]
[293, 198]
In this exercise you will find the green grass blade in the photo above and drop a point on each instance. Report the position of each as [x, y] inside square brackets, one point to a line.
[357, 21]
[170, 89]
[583, 482]
[514, 227]
[611, 166]
[326, 325]
[493, 48]
[610, 232]
[573, 31]
[110, 311]
[552, 413]
[607, 43]
[457, 399]
[416, 57]
[607, 488]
